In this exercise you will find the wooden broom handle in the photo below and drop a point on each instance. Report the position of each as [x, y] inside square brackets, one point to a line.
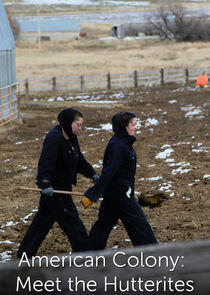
[55, 191]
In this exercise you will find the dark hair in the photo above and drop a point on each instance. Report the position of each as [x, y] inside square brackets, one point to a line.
[126, 117]
[77, 115]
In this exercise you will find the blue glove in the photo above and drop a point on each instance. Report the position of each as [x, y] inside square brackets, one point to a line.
[48, 192]
[95, 178]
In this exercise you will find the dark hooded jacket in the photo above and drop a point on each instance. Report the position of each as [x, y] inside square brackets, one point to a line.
[61, 159]
[119, 164]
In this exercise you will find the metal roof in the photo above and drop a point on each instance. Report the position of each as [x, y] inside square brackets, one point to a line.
[6, 36]
[48, 25]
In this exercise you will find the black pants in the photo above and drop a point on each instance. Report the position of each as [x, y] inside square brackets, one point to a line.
[118, 206]
[58, 208]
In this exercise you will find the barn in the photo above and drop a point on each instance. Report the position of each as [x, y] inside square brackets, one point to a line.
[9, 105]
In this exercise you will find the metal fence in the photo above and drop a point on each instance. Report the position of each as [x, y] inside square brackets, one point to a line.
[110, 81]
[10, 105]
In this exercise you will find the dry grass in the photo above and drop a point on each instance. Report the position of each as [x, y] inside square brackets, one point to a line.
[78, 57]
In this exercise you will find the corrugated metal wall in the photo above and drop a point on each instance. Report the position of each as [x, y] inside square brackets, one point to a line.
[7, 59]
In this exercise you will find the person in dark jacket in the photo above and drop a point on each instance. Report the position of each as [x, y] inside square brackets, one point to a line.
[59, 163]
[116, 185]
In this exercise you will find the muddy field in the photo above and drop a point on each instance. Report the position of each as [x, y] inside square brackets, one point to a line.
[173, 156]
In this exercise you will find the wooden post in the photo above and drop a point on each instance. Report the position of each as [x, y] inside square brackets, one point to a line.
[10, 102]
[135, 76]
[82, 77]
[39, 28]
[18, 96]
[162, 77]
[186, 76]
[2, 100]
[54, 85]
[27, 87]
[109, 81]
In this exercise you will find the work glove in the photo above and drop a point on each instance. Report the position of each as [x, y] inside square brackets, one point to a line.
[86, 202]
[95, 178]
[47, 192]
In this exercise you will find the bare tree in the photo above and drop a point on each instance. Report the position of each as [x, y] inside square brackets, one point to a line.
[173, 21]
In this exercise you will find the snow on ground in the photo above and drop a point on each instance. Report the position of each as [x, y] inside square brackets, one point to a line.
[5, 256]
[166, 153]
[192, 112]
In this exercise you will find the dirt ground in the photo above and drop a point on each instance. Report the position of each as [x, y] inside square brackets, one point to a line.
[173, 156]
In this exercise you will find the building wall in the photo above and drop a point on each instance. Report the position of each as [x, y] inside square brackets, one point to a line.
[7, 66]
[7, 62]
[130, 29]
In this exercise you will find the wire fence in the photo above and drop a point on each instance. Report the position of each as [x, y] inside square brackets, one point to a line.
[9, 95]
[85, 83]
[10, 106]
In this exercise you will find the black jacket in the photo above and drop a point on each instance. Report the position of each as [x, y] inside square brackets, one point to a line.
[60, 161]
[119, 167]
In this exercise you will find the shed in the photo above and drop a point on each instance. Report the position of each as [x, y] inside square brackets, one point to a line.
[128, 29]
[51, 28]
[9, 107]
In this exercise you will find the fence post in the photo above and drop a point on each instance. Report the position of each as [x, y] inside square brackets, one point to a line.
[27, 87]
[82, 77]
[2, 100]
[109, 81]
[162, 77]
[54, 85]
[18, 96]
[186, 76]
[10, 102]
[135, 76]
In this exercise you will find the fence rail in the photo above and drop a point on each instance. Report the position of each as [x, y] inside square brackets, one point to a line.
[10, 106]
[110, 81]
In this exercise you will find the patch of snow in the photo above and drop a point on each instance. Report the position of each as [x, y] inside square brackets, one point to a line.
[100, 101]
[181, 143]
[155, 178]
[150, 122]
[6, 242]
[25, 219]
[182, 164]
[117, 95]
[169, 160]
[5, 256]
[191, 111]
[60, 98]
[115, 247]
[180, 170]
[23, 167]
[164, 154]
[92, 128]
[107, 126]
[9, 223]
